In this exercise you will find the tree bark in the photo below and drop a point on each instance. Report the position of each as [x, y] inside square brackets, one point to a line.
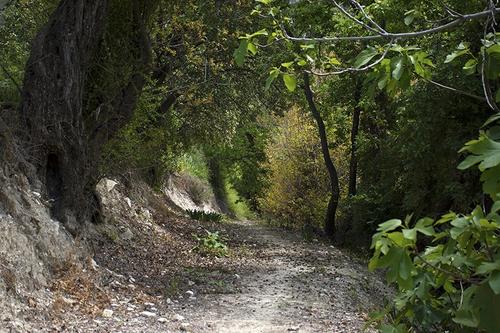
[330, 228]
[52, 103]
[60, 133]
[353, 163]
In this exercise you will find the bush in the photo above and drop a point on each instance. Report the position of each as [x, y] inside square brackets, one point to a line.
[200, 215]
[453, 284]
[297, 191]
[211, 244]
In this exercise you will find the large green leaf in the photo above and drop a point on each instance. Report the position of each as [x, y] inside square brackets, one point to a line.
[290, 82]
[365, 56]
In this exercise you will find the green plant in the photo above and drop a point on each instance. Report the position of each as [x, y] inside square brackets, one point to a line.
[453, 283]
[212, 244]
[201, 215]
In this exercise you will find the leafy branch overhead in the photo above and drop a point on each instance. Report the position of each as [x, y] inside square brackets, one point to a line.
[394, 63]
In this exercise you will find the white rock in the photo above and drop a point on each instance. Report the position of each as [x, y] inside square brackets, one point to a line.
[169, 301]
[190, 293]
[162, 320]
[148, 314]
[178, 317]
[191, 283]
[94, 265]
[237, 276]
[149, 304]
[128, 201]
[108, 313]
[110, 184]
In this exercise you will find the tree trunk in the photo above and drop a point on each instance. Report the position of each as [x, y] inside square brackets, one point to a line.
[61, 135]
[331, 212]
[353, 163]
[52, 103]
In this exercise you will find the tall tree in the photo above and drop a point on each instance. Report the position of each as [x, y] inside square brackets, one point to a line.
[62, 131]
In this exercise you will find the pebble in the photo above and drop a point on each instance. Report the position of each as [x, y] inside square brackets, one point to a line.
[107, 313]
[178, 317]
[162, 320]
[190, 293]
[148, 314]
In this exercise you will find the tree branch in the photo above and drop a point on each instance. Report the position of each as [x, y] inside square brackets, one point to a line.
[395, 36]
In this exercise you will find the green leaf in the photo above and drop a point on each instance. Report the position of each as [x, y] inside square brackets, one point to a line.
[455, 55]
[409, 19]
[470, 67]
[365, 56]
[389, 225]
[290, 82]
[398, 67]
[272, 76]
[241, 52]
[262, 32]
[410, 234]
[252, 48]
[287, 64]
[494, 282]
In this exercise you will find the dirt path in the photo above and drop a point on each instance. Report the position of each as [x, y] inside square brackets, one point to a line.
[272, 282]
[294, 286]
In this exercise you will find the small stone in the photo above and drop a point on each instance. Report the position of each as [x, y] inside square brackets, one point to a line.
[169, 301]
[149, 304]
[293, 329]
[192, 298]
[128, 201]
[184, 326]
[190, 293]
[107, 313]
[178, 317]
[237, 276]
[148, 314]
[191, 283]
[94, 265]
[127, 235]
[162, 320]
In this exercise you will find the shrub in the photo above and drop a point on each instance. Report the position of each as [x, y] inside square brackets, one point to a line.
[211, 244]
[453, 284]
[201, 215]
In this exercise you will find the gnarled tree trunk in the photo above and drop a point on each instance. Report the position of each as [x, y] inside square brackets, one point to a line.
[52, 103]
[62, 137]
[331, 212]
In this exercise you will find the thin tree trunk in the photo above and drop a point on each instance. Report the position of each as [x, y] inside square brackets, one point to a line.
[353, 163]
[331, 212]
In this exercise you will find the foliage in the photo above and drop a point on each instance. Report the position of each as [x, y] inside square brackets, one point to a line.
[454, 283]
[201, 215]
[297, 187]
[19, 22]
[211, 244]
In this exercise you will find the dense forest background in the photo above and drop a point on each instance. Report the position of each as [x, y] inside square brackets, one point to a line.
[242, 95]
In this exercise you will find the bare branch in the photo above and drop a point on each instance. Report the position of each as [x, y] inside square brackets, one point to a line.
[357, 4]
[395, 36]
[455, 90]
[354, 19]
